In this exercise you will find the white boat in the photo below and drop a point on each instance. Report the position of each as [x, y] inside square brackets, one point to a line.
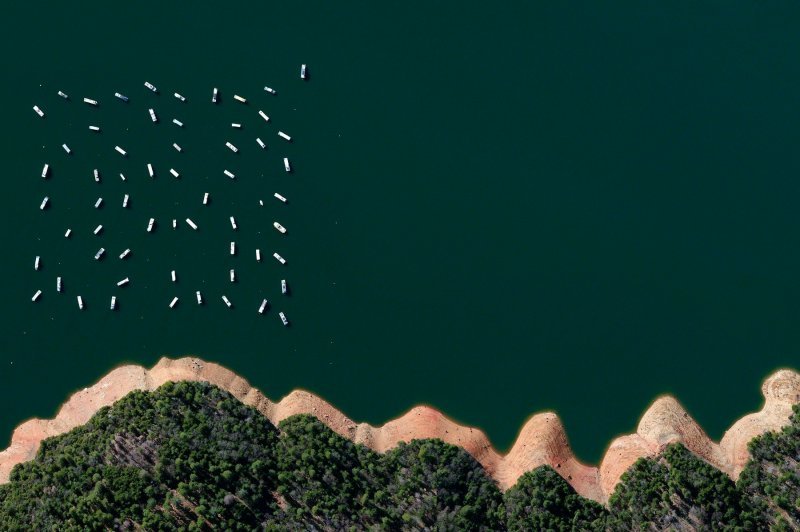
[175, 145]
[233, 223]
[58, 284]
[236, 125]
[270, 90]
[233, 276]
[152, 115]
[99, 254]
[94, 128]
[45, 170]
[121, 96]
[284, 287]
[239, 98]
[125, 253]
[264, 116]
[113, 305]
[227, 301]
[150, 170]
[214, 95]
[280, 197]
[123, 282]
[66, 149]
[174, 223]
[284, 136]
[258, 255]
[121, 151]
[98, 229]
[199, 297]
[279, 227]
[36, 263]
[96, 173]
[228, 173]
[43, 205]
[261, 202]
[174, 276]
[36, 295]
[279, 258]
[150, 86]
[173, 172]
[205, 198]
[125, 201]
[90, 101]
[303, 71]
[261, 143]
[80, 303]
[286, 164]
[98, 203]
[63, 95]
[69, 232]
[233, 248]
[191, 224]
[122, 176]
[180, 97]
[177, 122]
[150, 224]
[173, 302]
[231, 147]
[283, 318]
[263, 306]
[38, 111]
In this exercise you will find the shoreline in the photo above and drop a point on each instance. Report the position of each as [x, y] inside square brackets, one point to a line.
[542, 440]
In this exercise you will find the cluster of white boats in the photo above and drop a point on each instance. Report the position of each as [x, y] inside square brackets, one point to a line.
[152, 224]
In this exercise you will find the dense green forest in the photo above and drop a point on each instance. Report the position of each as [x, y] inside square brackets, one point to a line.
[190, 456]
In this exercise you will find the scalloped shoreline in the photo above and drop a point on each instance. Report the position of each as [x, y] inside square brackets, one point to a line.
[541, 441]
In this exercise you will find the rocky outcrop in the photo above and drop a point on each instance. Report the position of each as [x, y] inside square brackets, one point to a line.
[542, 440]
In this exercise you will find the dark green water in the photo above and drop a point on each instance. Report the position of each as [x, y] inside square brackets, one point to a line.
[496, 209]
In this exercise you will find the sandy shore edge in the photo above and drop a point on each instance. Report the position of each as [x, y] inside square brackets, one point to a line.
[542, 440]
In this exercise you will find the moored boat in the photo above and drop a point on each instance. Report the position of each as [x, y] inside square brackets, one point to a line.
[150, 225]
[264, 116]
[281, 198]
[99, 254]
[191, 224]
[38, 111]
[279, 227]
[150, 86]
[231, 147]
[233, 223]
[239, 98]
[286, 165]
[283, 319]
[90, 101]
[45, 169]
[284, 287]
[121, 96]
[125, 253]
[180, 97]
[227, 301]
[173, 302]
[36, 295]
[279, 258]
[303, 73]
[121, 151]
[214, 95]
[43, 204]
[263, 306]
[152, 115]
[261, 143]
[113, 305]
[228, 173]
[284, 136]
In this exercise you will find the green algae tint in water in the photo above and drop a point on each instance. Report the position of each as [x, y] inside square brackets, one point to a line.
[495, 210]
